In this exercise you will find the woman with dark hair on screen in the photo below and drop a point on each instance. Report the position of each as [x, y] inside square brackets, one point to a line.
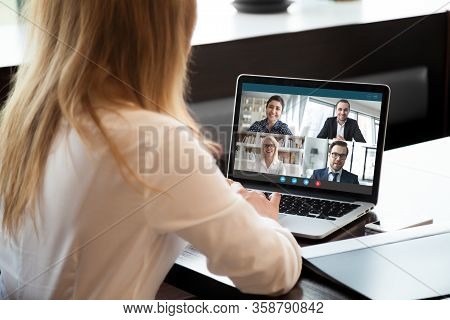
[272, 122]
[104, 176]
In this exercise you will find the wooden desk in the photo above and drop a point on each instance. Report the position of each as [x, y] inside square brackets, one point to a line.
[413, 182]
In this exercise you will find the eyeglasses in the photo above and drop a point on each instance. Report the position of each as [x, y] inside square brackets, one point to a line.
[336, 155]
[269, 146]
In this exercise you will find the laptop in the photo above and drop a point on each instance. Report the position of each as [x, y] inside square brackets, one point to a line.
[282, 132]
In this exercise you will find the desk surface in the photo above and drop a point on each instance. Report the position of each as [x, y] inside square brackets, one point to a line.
[413, 183]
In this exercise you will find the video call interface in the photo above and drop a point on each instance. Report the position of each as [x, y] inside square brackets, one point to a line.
[318, 138]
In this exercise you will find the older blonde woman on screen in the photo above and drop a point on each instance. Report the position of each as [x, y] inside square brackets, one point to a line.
[270, 162]
[94, 204]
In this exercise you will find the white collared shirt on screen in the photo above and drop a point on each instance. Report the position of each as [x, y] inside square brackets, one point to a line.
[340, 129]
[330, 175]
[276, 167]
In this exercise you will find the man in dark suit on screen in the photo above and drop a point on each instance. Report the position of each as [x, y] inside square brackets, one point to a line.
[337, 155]
[341, 127]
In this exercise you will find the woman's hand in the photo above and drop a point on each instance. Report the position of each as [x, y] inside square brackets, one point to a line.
[265, 207]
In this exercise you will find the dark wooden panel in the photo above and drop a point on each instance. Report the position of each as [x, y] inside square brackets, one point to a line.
[447, 79]
[5, 78]
[337, 53]
[332, 53]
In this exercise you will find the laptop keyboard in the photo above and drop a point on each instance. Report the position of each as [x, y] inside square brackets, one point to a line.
[315, 208]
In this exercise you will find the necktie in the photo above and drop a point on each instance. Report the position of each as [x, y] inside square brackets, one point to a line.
[335, 176]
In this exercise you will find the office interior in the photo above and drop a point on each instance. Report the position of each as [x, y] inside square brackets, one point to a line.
[408, 50]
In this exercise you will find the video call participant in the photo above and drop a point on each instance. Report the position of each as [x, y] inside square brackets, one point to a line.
[272, 124]
[341, 127]
[337, 155]
[269, 157]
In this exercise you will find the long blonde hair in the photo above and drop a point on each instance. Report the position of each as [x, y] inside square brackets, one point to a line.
[77, 46]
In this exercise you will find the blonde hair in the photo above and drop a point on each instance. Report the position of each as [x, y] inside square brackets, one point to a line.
[78, 46]
[274, 141]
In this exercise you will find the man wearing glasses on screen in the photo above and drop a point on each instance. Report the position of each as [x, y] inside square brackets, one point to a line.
[337, 155]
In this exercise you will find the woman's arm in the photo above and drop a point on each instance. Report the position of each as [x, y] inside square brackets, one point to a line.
[255, 252]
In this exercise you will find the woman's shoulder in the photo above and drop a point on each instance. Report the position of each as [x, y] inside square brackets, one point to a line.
[257, 125]
[132, 118]
[283, 124]
[129, 128]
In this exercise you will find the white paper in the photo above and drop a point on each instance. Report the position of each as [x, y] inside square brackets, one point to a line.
[192, 259]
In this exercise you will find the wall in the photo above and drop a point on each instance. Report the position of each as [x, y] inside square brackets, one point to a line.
[344, 52]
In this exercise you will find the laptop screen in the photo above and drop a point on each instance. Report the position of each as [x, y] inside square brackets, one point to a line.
[311, 135]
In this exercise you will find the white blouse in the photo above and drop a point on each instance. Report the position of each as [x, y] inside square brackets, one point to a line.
[276, 167]
[98, 237]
